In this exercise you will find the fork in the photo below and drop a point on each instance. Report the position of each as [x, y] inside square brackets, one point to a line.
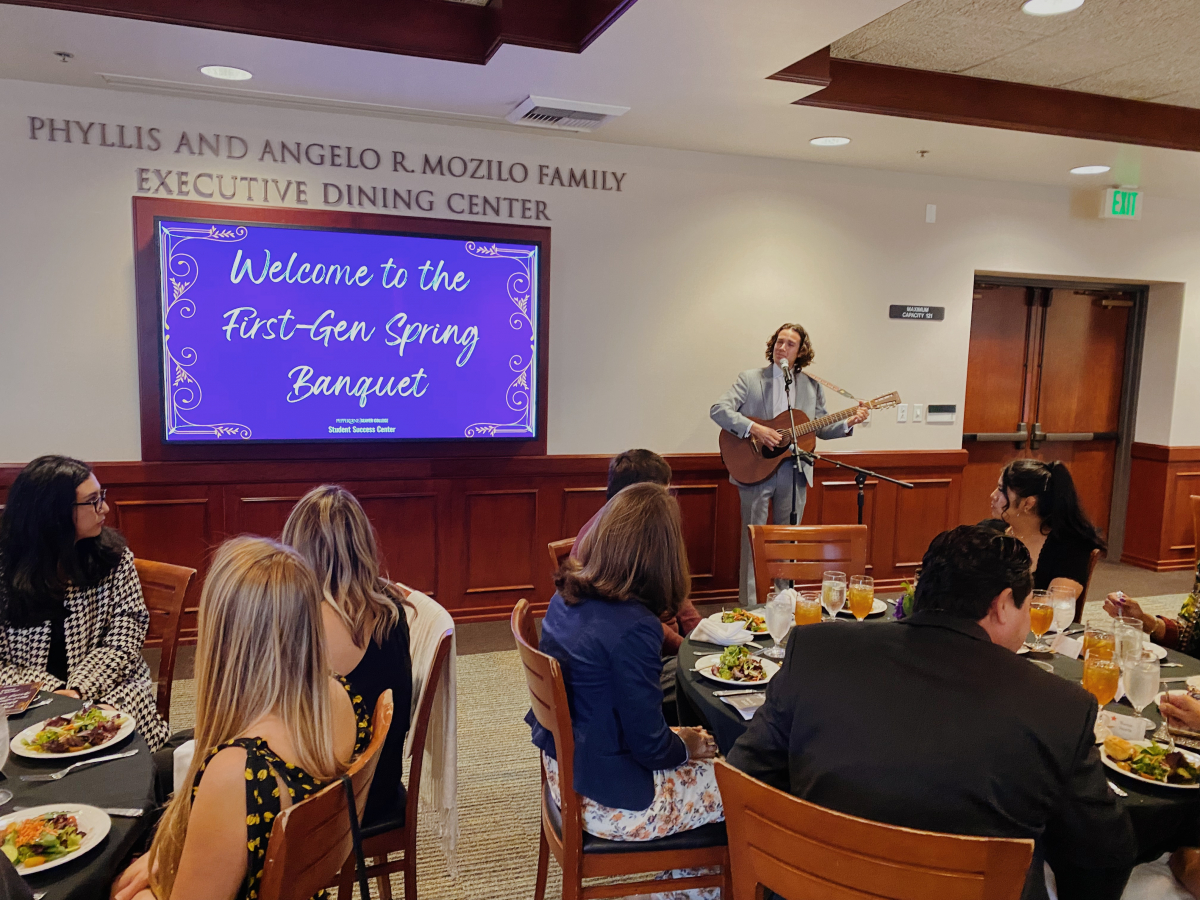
[55, 776]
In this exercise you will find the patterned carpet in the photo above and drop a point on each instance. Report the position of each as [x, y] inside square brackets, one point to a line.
[498, 778]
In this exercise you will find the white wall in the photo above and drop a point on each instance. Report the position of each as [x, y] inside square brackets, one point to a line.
[659, 293]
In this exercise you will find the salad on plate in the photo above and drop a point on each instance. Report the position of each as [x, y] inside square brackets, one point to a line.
[84, 730]
[41, 839]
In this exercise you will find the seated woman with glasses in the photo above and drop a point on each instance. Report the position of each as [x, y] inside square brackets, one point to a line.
[366, 631]
[72, 614]
[272, 727]
[1038, 504]
[639, 779]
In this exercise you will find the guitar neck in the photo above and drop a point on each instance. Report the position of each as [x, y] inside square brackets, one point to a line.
[814, 425]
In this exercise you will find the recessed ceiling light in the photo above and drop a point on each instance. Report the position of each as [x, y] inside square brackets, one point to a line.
[1050, 7]
[225, 73]
[1089, 170]
[830, 141]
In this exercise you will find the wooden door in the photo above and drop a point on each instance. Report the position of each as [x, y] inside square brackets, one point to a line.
[1044, 379]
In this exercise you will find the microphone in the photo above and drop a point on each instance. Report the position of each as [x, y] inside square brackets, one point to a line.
[787, 372]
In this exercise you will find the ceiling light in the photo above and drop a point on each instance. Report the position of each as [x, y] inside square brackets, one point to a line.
[226, 73]
[1089, 170]
[1050, 7]
[830, 141]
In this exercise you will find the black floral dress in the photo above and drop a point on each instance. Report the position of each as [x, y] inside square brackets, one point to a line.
[262, 790]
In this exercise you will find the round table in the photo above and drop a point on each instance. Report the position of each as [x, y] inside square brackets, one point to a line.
[124, 783]
[1163, 818]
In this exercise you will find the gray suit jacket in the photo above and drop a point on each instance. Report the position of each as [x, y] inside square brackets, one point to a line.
[752, 395]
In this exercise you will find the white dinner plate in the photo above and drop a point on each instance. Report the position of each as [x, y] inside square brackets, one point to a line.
[93, 823]
[17, 744]
[1188, 755]
[716, 617]
[706, 666]
[1158, 651]
[877, 608]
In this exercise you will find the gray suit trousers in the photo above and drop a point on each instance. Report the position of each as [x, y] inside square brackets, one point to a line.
[756, 498]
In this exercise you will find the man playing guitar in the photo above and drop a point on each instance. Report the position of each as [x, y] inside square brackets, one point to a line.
[760, 393]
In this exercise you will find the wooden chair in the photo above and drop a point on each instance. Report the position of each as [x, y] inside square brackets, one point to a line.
[559, 550]
[164, 588]
[1082, 598]
[582, 855]
[799, 849]
[1196, 525]
[310, 841]
[800, 553]
[399, 835]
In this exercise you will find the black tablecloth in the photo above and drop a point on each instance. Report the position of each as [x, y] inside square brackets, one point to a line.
[125, 783]
[1163, 818]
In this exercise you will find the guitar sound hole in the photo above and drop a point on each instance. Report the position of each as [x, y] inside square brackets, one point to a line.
[778, 451]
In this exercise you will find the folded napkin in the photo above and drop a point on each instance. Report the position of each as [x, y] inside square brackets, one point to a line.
[723, 633]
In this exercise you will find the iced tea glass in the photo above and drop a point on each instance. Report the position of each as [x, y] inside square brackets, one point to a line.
[861, 596]
[1100, 679]
[808, 608]
[1041, 617]
[1099, 642]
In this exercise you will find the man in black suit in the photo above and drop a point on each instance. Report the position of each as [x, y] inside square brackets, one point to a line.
[937, 724]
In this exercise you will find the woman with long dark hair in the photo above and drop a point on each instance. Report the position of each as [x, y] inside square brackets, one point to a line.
[1038, 502]
[71, 609]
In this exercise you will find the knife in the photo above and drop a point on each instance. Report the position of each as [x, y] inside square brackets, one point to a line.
[118, 811]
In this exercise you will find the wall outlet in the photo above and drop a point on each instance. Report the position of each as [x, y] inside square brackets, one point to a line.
[918, 412]
[901, 412]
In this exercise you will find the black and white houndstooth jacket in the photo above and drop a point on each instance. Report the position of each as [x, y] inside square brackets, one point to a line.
[105, 628]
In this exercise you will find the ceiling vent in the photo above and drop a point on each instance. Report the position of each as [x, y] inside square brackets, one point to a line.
[563, 115]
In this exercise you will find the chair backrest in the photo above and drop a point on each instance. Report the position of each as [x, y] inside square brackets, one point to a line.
[1196, 524]
[559, 550]
[1082, 598]
[164, 588]
[548, 697]
[420, 724]
[800, 553]
[799, 849]
[311, 840]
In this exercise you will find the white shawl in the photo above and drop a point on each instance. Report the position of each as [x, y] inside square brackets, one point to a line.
[427, 622]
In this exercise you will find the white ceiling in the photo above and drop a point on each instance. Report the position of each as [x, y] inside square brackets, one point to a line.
[693, 72]
[1151, 48]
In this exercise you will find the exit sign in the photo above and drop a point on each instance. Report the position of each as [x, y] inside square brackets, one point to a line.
[1122, 203]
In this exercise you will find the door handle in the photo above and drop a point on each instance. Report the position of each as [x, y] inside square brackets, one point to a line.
[1017, 436]
[1039, 435]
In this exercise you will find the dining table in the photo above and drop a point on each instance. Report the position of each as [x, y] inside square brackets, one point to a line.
[126, 784]
[1164, 818]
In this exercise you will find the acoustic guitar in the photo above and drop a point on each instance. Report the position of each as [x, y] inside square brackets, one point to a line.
[750, 462]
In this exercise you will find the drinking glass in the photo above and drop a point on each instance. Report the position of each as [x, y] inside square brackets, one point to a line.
[1063, 601]
[1098, 642]
[780, 619]
[1100, 678]
[833, 592]
[1128, 639]
[5, 796]
[808, 608]
[1041, 617]
[1141, 681]
[861, 595]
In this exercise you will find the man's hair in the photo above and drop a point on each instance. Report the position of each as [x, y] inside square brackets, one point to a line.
[966, 568]
[804, 356]
[634, 467]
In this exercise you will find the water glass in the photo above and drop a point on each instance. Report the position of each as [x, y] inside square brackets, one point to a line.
[1141, 681]
[780, 618]
[808, 608]
[833, 591]
[1129, 638]
[1063, 601]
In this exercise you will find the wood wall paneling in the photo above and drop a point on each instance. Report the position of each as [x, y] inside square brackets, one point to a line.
[1159, 534]
[474, 531]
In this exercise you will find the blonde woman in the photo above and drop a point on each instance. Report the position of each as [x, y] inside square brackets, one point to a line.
[271, 726]
[366, 631]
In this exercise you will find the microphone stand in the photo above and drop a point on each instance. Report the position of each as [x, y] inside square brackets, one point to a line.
[809, 457]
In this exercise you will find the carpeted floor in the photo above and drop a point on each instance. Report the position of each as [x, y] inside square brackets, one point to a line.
[498, 778]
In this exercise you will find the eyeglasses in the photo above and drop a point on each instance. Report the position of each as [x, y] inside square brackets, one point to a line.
[97, 503]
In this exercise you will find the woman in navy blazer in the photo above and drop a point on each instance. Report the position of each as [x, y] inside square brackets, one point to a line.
[638, 778]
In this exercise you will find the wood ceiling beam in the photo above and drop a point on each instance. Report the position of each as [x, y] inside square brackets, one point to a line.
[426, 28]
[964, 100]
